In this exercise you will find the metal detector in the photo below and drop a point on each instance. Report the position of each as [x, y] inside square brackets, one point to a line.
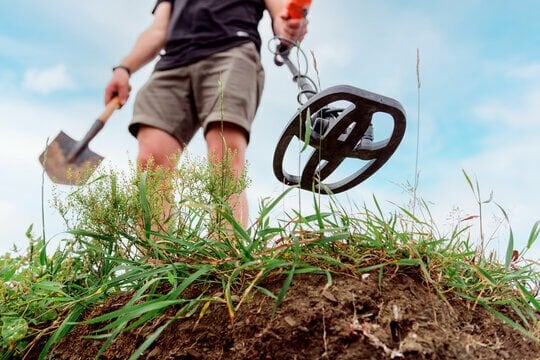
[335, 133]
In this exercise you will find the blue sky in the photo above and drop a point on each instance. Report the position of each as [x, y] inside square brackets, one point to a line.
[480, 99]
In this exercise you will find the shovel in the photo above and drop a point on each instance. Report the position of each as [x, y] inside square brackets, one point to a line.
[71, 162]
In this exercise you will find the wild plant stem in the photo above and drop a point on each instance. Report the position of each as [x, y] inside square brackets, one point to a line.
[43, 199]
[223, 150]
[416, 175]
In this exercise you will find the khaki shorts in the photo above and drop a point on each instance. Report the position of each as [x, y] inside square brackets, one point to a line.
[226, 86]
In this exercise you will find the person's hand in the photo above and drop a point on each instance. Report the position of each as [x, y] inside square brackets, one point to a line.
[118, 86]
[290, 29]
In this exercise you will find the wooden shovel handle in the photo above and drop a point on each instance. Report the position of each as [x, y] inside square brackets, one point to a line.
[95, 129]
[109, 109]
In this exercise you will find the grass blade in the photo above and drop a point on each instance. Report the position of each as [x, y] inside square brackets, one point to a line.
[266, 292]
[150, 340]
[144, 203]
[133, 312]
[283, 291]
[307, 124]
[530, 298]
[535, 234]
[265, 211]
[510, 246]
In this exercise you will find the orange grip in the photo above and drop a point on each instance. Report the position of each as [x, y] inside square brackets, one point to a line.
[297, 9]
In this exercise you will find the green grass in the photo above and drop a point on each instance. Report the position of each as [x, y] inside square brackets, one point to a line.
[118, 241]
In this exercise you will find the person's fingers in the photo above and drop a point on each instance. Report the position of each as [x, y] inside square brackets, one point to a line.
[294, 29]
[123, 94]
[294, 35]
[116, 88]
[109, 92]
[295, 23]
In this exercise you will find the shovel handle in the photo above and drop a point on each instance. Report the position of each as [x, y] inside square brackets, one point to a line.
[109, 109]
[95, 129]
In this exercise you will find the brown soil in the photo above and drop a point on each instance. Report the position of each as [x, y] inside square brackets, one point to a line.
[352, 319]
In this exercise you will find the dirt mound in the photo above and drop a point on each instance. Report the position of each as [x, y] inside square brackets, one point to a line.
[355, 318]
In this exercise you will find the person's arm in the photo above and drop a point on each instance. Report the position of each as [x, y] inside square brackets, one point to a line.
[291, 29]
[146, 48]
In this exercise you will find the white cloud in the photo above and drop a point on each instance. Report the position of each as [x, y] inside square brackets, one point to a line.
[45, 81]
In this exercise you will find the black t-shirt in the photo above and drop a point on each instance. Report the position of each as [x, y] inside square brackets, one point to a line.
[206, 27]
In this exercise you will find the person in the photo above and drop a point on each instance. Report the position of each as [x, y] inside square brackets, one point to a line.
[208, 76]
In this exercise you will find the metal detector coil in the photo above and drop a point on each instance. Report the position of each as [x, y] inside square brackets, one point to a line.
[336, 134]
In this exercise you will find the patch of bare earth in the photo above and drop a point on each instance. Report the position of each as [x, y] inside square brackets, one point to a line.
[355, 318]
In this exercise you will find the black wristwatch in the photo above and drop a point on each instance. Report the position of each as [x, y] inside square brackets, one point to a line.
[128, 70]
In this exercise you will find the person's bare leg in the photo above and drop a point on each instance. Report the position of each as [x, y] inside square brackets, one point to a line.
[159, 149]
[229, 138]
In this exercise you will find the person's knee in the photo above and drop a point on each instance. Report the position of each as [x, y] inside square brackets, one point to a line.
[148, 159]
[157, 148]
[227, 137]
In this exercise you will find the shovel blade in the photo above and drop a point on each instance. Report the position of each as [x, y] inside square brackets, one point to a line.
[55, 161]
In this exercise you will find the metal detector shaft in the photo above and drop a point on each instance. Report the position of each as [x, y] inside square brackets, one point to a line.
[305, 86]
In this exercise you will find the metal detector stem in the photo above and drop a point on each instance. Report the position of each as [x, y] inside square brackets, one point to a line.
[305, 84]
